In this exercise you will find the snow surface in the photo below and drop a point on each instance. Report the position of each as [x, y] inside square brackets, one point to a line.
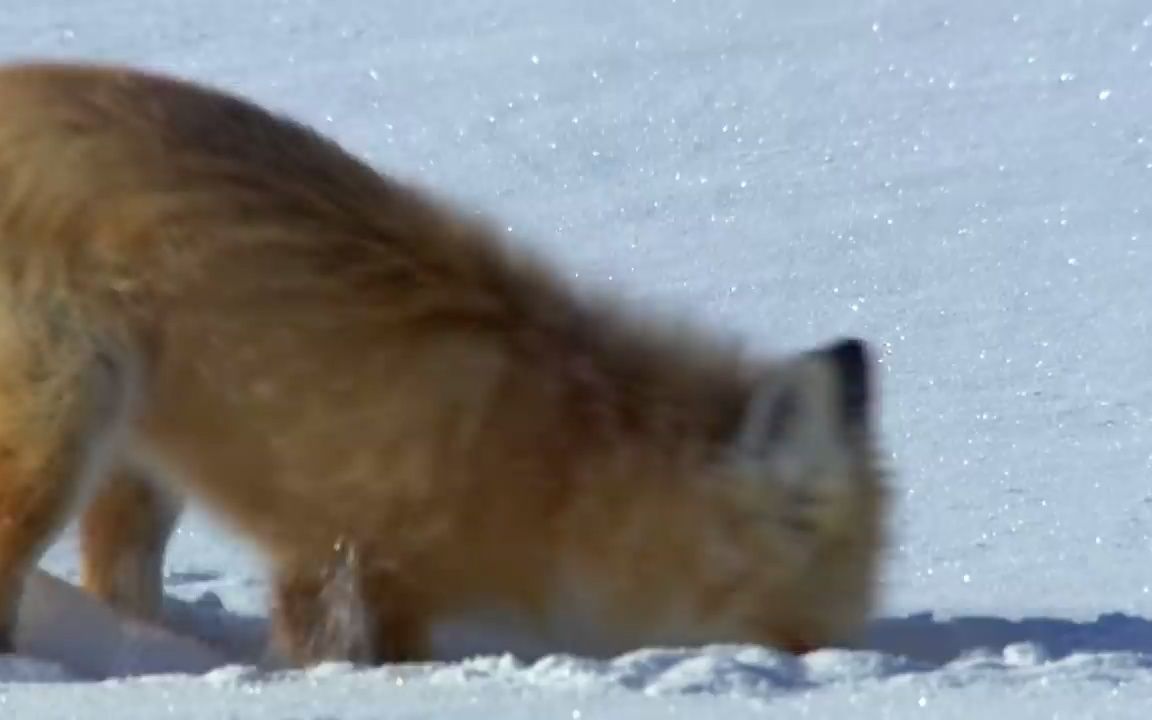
[968, 184]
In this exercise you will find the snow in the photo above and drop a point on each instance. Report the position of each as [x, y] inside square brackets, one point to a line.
[57, 621]
[965, 184]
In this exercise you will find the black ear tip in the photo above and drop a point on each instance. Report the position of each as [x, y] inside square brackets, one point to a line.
[849, 353]
[851, 358]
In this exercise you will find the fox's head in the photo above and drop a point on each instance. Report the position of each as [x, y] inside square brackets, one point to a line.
[804, 467]
[807, 431]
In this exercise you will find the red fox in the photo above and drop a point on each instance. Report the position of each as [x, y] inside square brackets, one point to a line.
[203, 301]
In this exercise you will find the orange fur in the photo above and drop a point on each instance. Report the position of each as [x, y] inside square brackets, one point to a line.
[411, 420]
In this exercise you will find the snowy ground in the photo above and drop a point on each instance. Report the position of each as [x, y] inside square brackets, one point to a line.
[968, 184]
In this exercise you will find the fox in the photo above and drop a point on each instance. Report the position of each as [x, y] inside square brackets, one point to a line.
[412, 416]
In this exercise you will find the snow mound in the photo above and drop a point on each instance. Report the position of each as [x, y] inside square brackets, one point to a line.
[743, 671]
[59, 625]
[746, 673]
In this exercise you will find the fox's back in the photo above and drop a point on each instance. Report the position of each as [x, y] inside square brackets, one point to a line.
[102, 160]
[208, 220]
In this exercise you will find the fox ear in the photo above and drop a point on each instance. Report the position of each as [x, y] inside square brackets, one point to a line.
[808, 402]
[771, 408]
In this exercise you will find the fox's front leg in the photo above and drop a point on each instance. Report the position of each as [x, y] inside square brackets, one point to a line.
[340, 610]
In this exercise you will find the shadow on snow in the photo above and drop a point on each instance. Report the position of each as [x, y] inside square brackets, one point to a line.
[924, 638]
